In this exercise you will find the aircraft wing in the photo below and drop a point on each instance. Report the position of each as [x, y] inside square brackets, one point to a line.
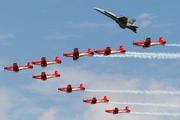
[148, 40]
[147, 43]
[123, 19]
[107, 51]
[75, 54]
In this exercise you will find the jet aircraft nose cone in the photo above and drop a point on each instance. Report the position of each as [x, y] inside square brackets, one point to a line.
[96, 8]
[99, 10]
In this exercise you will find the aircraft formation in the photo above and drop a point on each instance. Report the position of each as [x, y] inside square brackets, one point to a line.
[43, 64]
[123, 22]
[147, 43]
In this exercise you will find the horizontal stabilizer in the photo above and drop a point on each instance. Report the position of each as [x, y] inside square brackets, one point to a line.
[134, 26]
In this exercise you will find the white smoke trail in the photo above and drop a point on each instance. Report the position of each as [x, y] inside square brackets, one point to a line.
[173, 45]
[145, 104]
[148, 92]
[161, 114]
[144, 55]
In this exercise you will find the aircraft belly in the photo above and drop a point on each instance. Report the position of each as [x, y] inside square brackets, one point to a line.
[152, 44]
[48, 77]
[121, 25]
[101, 101]
[51, 63]
[122, 111]
[114, 52]
[83, 55]
[75, 89]
[22, 68]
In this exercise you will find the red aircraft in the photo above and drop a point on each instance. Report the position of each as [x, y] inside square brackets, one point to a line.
[76, 54]
[109, 51]
[94, 100]
[45, 62]
[43, 76]
[16, 68]
[69, 89]
[148, 42]
[116, 110]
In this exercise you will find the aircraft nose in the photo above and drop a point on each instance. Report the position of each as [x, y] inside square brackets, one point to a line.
[98, 9]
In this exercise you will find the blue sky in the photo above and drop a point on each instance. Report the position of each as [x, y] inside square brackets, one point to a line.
[30, 30]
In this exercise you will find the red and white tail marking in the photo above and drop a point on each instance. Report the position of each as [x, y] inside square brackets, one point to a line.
[89, 50]
[57, 58]
[56, 73]
[105, 97]
[126, 108]
[160, 39]
[28, 64]
[121, 47]
[81, 85]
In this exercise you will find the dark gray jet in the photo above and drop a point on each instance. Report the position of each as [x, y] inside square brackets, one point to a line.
[123, 22]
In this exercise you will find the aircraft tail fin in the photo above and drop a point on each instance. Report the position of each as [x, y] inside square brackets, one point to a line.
[105, 97]
[160, 39]
[126, 108]
[28, 64]
[132, 21]
[81, 85]
[57, 58]
[56, 73]
[89, 50]
[121, 47]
